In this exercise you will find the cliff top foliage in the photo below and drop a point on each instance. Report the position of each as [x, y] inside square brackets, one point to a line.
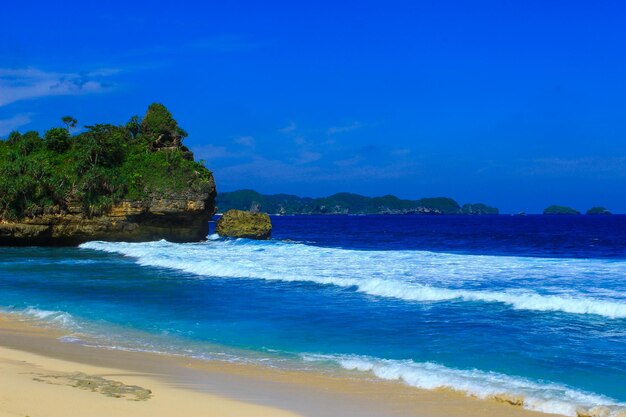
[344, 203]
[97, 167]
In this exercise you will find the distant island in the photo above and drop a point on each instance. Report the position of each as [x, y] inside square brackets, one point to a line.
[598, 211]
[559, 210]
[134, 182]
[564, 210]
[345, 203]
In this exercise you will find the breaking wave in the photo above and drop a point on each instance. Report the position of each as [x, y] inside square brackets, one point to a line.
[545, 397]
[576, 286]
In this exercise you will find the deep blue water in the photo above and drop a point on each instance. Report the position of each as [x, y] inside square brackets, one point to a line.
[532, 306]
[533, 235]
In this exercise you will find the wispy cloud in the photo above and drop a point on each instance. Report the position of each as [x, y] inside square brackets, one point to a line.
[210, 152]
[300, 140]
[587, 167]
[343, 129]
[400, 152]
[247, 141]
[349, 161]
[289, 128]
[308, 156]
[8, 125]
[276, 171]
[213, 44]
[29, 83]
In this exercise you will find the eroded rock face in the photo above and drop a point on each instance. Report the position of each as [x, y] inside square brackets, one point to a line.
[177, 217]
[239, 223]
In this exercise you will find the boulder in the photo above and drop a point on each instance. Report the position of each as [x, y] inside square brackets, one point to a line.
[509, 399]
[247, 224]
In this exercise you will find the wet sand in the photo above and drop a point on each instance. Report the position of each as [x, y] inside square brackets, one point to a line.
[41, 376]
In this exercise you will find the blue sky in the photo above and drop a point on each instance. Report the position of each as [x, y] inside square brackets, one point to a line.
[517, 104]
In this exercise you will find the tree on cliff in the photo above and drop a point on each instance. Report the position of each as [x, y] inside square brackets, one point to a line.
[159, 128]
[96, 168]
[57, 139]
[69, 122]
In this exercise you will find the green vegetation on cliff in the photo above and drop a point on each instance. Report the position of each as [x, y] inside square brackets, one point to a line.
[343, 203]
[94, 169]
[555, 210]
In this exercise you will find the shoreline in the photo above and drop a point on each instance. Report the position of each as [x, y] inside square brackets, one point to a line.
[181, 385]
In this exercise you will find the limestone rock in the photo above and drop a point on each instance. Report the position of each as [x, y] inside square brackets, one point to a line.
[178, 217]
[239, 223]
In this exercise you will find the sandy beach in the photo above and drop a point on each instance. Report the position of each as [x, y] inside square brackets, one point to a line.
[43, 377]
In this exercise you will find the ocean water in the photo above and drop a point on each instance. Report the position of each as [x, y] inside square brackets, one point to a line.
[532, 307]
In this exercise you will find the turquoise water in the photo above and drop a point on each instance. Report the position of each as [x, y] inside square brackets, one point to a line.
[527, 306]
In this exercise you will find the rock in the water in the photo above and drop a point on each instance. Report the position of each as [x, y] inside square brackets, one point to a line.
[509, 399]
[239, 223]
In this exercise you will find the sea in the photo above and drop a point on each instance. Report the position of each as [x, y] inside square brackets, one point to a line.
[533, 307]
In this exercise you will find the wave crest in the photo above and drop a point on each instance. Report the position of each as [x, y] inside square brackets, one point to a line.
[543, 397]
[407, 275]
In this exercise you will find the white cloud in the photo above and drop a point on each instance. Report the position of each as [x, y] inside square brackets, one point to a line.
[28, 83]
[8, 125]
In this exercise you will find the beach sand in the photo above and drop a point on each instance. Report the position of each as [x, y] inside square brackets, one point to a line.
[43, 377]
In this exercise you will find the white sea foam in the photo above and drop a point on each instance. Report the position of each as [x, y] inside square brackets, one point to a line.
[58, 318]
[577, 286]
[539, 396]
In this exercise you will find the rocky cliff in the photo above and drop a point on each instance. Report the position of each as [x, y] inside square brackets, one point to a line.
[177, 217]
[133, 182]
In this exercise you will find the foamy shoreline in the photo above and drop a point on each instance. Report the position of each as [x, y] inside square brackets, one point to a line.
[34, 364]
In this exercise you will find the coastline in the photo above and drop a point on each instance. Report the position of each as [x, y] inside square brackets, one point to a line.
[35, 364]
